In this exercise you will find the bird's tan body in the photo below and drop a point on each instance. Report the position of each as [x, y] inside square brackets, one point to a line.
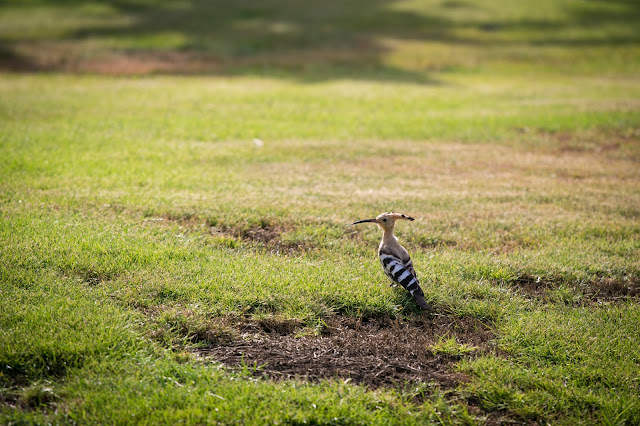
[390, 244]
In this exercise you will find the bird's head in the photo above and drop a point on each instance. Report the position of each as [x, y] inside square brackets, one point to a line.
[386, 221]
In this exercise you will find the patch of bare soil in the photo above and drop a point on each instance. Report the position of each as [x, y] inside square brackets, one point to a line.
[603, 290]
[372, 352]
[259, 234]
[266, 235]
[597, 141]
[67, 56]
[56, 56]
[533, 286]
[609, 289]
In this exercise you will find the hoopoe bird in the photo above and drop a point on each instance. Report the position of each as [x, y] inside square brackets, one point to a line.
[395, 258]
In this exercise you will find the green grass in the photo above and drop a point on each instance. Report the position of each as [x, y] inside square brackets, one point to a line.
[139, 221]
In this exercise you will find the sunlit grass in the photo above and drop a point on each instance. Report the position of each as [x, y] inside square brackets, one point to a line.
[137, 198]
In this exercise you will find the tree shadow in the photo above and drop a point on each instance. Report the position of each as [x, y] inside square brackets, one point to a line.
[310, 41]
[590, 23]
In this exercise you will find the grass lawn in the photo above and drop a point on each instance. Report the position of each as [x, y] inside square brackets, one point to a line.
[177, 180]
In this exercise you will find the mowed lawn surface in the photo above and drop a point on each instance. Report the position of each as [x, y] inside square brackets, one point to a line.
[177, 181]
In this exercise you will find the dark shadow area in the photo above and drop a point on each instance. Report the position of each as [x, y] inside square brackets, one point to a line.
[601, 23]
[12, 61]
[311, 40]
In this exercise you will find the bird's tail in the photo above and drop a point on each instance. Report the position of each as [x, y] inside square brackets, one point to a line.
[419, 296]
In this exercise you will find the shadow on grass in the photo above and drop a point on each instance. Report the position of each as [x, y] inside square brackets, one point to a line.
[309, 41]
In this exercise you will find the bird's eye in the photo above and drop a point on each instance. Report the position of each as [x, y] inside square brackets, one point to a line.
[384, 220]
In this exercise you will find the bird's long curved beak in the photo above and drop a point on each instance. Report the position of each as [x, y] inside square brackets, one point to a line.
[363, 221]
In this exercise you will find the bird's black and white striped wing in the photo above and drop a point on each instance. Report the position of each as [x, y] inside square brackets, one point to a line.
[403, 274]
[399, 272]
[409, 265]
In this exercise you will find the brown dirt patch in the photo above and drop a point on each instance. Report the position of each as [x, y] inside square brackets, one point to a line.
[94, 277]
[372, 352]
[69, 56]
[602, 290]
[269, 237]
[625, 142]
[609, 289]
[533, 286]
[266, 234]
